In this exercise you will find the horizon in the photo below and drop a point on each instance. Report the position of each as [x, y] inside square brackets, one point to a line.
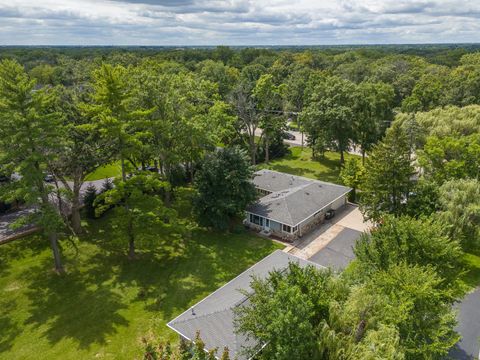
[237, 22]
[280, 46]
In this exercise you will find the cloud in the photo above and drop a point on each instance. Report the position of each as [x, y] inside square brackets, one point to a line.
[236, 22]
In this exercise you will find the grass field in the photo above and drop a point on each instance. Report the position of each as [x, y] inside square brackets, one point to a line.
[300, 162]
[105, 303]
[472, 276]
[106, 171]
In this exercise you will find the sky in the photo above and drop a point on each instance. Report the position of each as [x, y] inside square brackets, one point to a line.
[237, 22]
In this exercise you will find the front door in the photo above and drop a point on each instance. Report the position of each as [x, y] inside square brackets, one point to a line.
[267, 224]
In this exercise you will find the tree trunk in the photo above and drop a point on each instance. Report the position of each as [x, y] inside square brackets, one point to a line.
[363, 157]
[267, 149]
[342, 157]
[131, 241]
[56, 252]
[76, 219]
[302, 139]
[253, 150]
[122, 162]
[131, 248]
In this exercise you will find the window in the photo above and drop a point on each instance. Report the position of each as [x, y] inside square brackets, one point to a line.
[267, 223]
[295, 228]
[286, 228]
[255, 219]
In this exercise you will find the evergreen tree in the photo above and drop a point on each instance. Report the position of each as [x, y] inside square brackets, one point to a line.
[30, 135]
[388, 181]
[224, 188]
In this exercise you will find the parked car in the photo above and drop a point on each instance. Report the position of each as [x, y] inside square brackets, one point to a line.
[329, 214]
[288, 136]
[49, 178]
[152, 169]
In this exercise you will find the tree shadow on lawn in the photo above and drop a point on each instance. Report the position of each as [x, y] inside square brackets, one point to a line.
[20, 249]
[169, 282]
[8, 329]
[85, 304]
[77, 305]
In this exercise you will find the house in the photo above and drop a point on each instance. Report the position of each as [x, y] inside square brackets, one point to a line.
[290, 205]
[214, 316]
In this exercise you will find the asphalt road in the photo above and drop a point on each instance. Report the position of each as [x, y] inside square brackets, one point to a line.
[8, 219]
[468, 348]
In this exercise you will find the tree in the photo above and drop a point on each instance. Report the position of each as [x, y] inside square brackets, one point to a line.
[411, 241]
[186, 120]
[306, 313]
[137, 205]
[330, 110]
[248, 117]
[447, 158]
[224, 188]
[388, 180]
[112, 108]
[418, 306]
[30, 134]
[374, 103]
[294, 93]
[268, 98]
[89, 201]
[83, 150]
[283, 313]
[459, 203]
[352, 174]
[224, 76]
[184, 350]
[450, 121]
[428, 91]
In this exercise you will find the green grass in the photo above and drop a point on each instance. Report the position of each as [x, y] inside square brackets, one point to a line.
[300, 162]
[472, 276]
[105, 303]
[106, 171]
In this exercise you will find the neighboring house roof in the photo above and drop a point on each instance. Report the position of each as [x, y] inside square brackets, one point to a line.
[293, 198]
[214, 315]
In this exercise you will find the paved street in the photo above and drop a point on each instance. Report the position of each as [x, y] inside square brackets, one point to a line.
[6, 232]
[298, 141]
[8, 219]
[469, 327]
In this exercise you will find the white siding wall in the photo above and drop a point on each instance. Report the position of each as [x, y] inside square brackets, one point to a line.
[338, 203]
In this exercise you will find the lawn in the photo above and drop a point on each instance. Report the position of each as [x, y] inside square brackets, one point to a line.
[105, 303]
[300, 162]
[472, 275]
[106, 171]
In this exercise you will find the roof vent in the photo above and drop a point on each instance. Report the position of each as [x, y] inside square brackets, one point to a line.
[307, 193]
[193, 312]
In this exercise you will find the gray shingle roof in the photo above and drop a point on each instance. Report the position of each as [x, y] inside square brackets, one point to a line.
[293, 198]
[214, 315]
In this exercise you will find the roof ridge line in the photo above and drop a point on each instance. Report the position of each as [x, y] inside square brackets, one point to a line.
[202, 316]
